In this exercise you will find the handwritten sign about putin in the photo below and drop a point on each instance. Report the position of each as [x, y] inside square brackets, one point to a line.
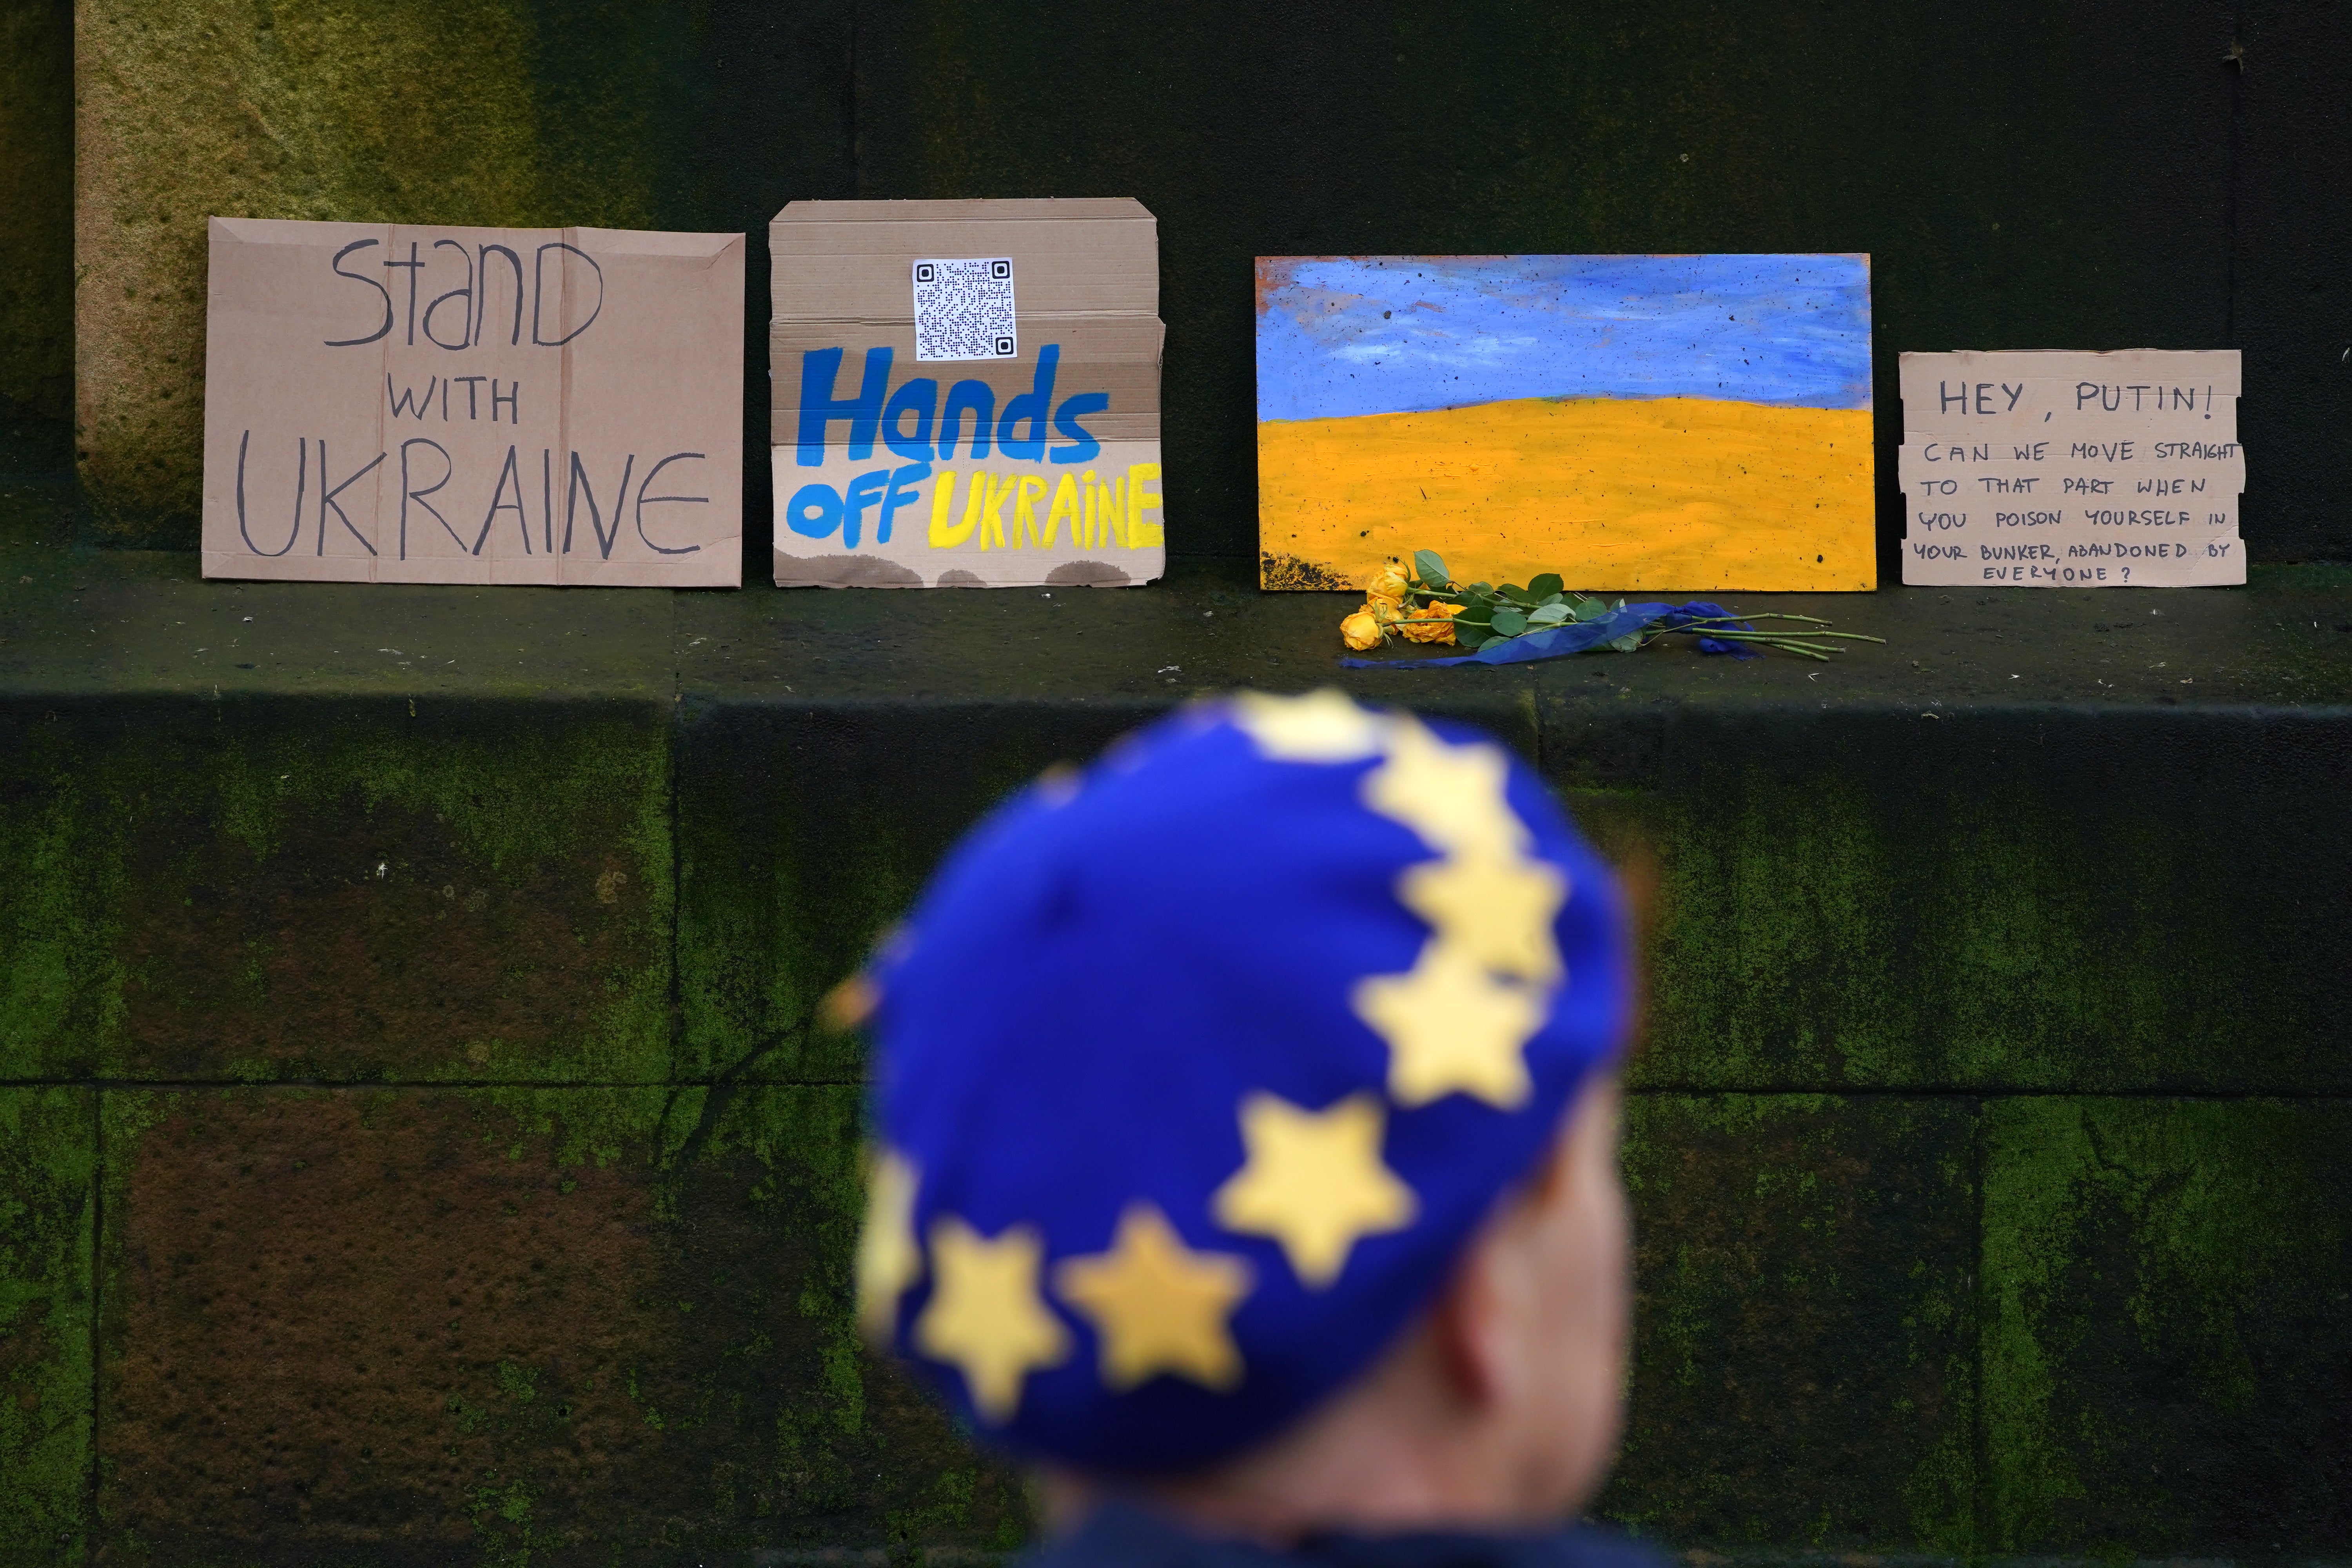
[2055, 470]
[394, 404]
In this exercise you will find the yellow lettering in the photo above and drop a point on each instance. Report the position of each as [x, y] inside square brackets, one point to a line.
[1140, 533]
[944, 535]
[1025, 510]
[992, 521]
[1065, 504]
[1110, 512]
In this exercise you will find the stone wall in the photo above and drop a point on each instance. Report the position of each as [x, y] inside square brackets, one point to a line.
[36, 178]
[2105, 174]
[419, 1146]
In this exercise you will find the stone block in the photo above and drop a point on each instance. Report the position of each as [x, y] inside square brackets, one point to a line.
[1990, 900]
[2167, 1328]
[48, 1214]
[409, 1326]
[1803, 1362]
[803, 833]
[284, 889]
[36, 259]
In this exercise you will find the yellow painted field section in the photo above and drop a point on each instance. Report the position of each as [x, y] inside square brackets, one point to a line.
[1678, 493]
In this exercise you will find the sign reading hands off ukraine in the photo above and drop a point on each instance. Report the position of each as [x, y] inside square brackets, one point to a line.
[966, 394]
[395, 403]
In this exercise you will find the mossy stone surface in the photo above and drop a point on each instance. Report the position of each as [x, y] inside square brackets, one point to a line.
[217, 893]
[389, 1327]
[2167, 1303]
[48, 1168]
[1930, 1263]
[484, 112]
[1940, 900]
[1806, 1278]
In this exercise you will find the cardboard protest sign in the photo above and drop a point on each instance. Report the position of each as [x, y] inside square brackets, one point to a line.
[2051, 469]
[966, 394]
[394, 404]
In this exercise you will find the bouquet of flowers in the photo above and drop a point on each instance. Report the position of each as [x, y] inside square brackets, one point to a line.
[1508, 625]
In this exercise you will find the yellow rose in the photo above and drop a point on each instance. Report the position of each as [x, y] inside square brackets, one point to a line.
[1360, 631]
[1431, 630]
[1388, 583]
[1386, 611]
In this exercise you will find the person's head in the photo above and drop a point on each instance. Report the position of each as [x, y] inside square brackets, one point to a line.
[1247, 1129]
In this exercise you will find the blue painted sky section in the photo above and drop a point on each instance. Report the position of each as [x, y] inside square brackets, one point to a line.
[1388, 334]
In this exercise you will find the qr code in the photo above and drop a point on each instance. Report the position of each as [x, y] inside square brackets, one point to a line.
[963, 308]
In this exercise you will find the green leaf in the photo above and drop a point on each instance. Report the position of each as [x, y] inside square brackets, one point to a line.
[1430, 568]
[1550, 615]
[1509, 623]
[1469, 634]
[1628, 643]
[1544, 584]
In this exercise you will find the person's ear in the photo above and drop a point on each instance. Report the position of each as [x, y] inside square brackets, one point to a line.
[1466, 1329]
[1480, 1323]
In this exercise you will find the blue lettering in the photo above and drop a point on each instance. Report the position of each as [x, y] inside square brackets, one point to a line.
[815, 509]
[819, 407]
[902, 492]
[1033, 406]
[919, 398]
[1066, 420]
[981, 399]
[864, 491]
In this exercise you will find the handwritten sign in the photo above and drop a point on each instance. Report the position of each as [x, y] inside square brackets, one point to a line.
[2064, 470]
[391, 403]
[1034, 460]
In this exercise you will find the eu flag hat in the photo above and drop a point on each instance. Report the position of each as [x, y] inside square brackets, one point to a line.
[1197, 1070]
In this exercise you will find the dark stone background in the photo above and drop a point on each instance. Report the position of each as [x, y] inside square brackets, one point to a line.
[417, 1142]
[2097, 174]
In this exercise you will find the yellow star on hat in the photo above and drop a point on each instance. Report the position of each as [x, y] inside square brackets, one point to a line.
[1314, 1181]
[1450, 1026]
[1320, 727]
[1451, 796]
[1157, 1305]
[1497, 911]
[985, 1316]
[888, 1259]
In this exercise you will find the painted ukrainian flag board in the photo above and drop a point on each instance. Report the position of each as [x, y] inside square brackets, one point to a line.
[966, 394]
[1633, 422]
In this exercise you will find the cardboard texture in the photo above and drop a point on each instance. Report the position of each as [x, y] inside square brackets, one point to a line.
[2056, 469]
[1652, 423]
[394, 404]
[942, 423]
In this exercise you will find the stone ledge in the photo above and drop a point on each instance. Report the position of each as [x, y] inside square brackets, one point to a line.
[1921, 868]
[121, 622]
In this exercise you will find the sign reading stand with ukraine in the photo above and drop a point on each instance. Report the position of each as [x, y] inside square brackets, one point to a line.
[966, 394]
[1630, 421]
